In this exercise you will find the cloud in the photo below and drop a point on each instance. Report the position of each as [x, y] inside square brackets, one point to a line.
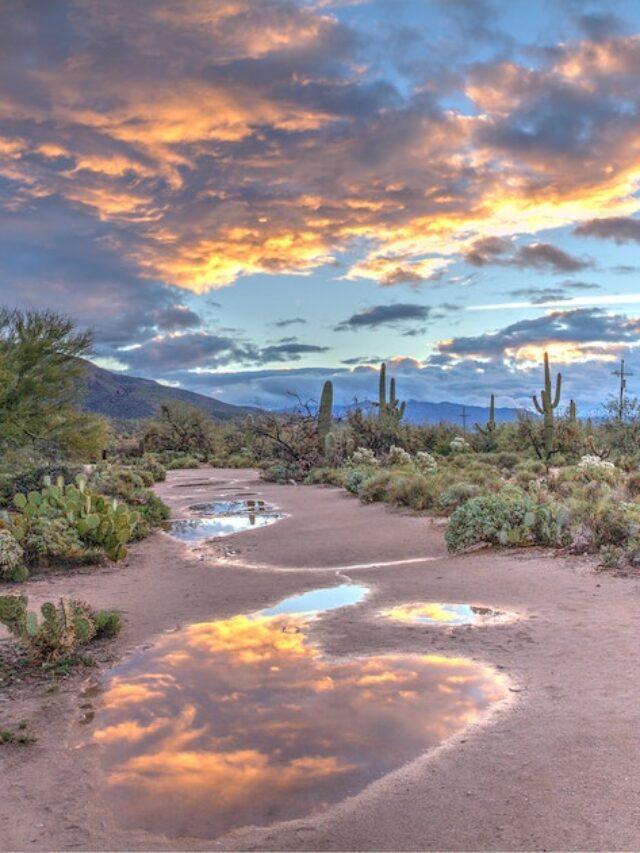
[540, 256]
[214, 141]
[571, 335]
[385, 315]
[622, 229]
[289, 351]
[291, 321]
[176, 317]
[171, 356]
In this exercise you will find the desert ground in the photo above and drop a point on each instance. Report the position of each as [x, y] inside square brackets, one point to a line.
[555, 764]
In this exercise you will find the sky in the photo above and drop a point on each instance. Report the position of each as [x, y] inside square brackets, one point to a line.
[247, 197]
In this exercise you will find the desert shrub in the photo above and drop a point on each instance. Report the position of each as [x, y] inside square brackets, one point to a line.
[182, 461]
[153, 466]
[12, 567]
[108, 623]
[50, 540]
[398, 456]
[633, 484]
[601, 521]
[511, 518]
[459, 445]
[152, 510]
[364, 456]
[180, 428]
[456, 494]
[507, 460]
[61, 629]
[116, 481]
[588, 472]
[375, 487]
[529, 471]
[354, 479]
[425, 462]
[411, 490]
[326, 476]
[281, 472]
[592, 463]
[239, 460]
[339, 445]
[31, 479]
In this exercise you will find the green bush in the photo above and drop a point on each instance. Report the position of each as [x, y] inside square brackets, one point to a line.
[152, 511]
[633, 484]
[413, 491]
[182, 461]
[108, 623]
[326, 476]
[375, 487]
[354, 479]
[50, 540]
[152, 465]
[456, 494]
[281, 472]
[12, 567]
[61, 629]
[96, 520]
[511, 518]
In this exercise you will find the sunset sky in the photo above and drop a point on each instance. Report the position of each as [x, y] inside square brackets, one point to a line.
[246, 197]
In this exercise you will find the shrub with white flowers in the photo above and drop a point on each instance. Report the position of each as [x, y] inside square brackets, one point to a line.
[589, 462]
[398, 456]
[459, 445]
[425, 463]
[363, 456]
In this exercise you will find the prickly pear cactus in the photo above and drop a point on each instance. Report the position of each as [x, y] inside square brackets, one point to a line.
[98, 521]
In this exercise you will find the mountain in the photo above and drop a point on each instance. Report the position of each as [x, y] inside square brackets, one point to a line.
[424, 412]
[129, 397]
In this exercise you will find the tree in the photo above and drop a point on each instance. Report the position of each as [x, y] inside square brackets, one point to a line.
[40, 381]
[181, 428]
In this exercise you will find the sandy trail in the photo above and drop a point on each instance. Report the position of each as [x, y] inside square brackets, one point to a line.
[558, 769]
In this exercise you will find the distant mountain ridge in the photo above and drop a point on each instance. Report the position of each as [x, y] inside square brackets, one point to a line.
[123, 397]
[425, 412]
[130, 397]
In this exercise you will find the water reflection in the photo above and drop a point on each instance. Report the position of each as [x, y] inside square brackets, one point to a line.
[319, 600]
[444, 613]
[242, 721]
[222, 518]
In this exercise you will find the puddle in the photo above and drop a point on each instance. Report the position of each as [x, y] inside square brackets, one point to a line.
[444, 613]
[244, 721]
[222, 518]
[319, 600]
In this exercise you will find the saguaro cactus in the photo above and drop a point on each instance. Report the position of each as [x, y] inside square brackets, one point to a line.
[573, 417]
[382, 389]
[392, 408]
[546, 406]
[325, 411]
[489, 430]
[490, 426]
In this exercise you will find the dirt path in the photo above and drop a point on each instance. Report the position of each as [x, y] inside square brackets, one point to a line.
[558, 769]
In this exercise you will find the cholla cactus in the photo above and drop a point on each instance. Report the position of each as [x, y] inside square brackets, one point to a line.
[595, 462]
[364, 456]
[425, 462]
[12, 566]
[459, 445]
[398, 456]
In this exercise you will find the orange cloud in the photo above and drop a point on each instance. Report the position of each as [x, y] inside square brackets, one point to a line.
[240, 137]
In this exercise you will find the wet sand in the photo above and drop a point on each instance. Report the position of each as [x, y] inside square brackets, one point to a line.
[557, 767]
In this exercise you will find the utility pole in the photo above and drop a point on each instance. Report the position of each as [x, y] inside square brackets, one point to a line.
[463, 416]
[622, 373]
